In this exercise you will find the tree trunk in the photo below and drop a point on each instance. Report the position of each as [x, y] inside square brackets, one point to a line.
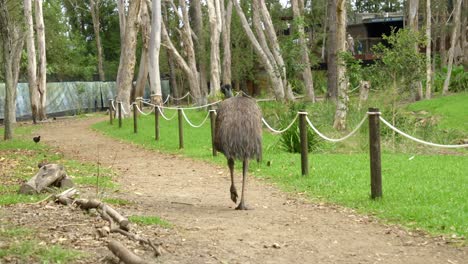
[127, 62]
[464, 33]
[226, 34]
[332, 65]
[342, 100]
[413, 25]
[443, 39]
[155, 44]
[94, 5]
[264, 54]
[216, 24]
[42, 71]
[145, 23]
[428, 50]
[453, 40]
[298, 9]
[12, 45]
[32, 66]
[201, 45]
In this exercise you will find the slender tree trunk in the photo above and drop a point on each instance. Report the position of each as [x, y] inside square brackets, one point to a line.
[127, 62]
[12, 41]
[155, 44]
[32, 66]
[453, 40]
[464, 33]
[201, 45]
[215, 19]
[443, 39]
[262, 51]
[298, 9]
[145, 24]
[94, 5]
[226, 34]
[428, 50]
[342, 100]
[413, 25]
[332, 65]
[41, 48]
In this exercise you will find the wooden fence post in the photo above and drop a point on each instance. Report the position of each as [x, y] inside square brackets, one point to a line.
[374, 152]
[135, 118]
[213, 124]
[156, 122]
[304, 143]
[119, 104]
[181, 129]
[110, 111]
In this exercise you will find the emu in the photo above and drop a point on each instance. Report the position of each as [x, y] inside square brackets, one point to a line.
[238, 135]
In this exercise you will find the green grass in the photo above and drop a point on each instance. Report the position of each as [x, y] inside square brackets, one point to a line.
[149, 220]
[452, 110]
[23, 247]
[424, 191]
[116, 201]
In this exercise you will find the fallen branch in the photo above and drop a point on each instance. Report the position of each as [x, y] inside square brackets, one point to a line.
[134, 237]
[124, 254]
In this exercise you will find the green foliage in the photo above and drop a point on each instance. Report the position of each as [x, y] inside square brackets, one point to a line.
[458, 79]
[290, 140]
[116, 201]
[399, 60]
[149, 220]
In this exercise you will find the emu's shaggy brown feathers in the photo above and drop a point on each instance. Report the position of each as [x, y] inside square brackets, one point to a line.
[238, 131]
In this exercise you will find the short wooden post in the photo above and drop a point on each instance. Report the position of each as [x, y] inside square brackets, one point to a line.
[119, 105]
[213, 125]
[304, 143]
[374, 151]
[181, 129]
[156, 122]
[111, 113]
[135, 118]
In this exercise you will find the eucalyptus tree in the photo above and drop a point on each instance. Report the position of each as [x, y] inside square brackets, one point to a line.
[188, 62]
[428, 49]
[216, 26]
[94, 6]
[226, 36]
[413, 25]
[200, 44]
[453, 41]
[145, 25]
[154, 48]
[12, 40]
[266, 46]
[342, 81]
[128, 59]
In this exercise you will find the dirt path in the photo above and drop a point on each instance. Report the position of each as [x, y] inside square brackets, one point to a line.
[282, 228]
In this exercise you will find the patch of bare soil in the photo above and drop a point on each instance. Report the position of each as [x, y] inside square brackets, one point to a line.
[194, 197]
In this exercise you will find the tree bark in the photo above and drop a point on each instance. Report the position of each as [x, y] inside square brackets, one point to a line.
[453, 41]
[298, 9]
[127, 62]
[414, 26]
[342, 100]
[216, 24]
[42, 71]
[464, 33]
[32, 65]
[226, 35]
[428, 50]
[264, 54]
[201, 45]
[155, 45]
[145, 24]
[332, 65]
[94, 6]
[12, 41]
[48, 175]
[443, 39]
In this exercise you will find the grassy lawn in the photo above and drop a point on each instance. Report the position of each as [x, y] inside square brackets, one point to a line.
[419, 191]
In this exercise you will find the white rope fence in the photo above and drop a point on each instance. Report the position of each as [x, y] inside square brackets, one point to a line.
[143, 113]
[165, 117]
[191, 124]
[419, 140]
[337, 139]
[279, 131]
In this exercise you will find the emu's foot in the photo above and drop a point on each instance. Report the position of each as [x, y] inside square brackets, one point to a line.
[242, 206]
[233, 194]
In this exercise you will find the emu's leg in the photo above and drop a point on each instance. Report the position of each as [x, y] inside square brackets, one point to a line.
[245, 168]
[233, 187]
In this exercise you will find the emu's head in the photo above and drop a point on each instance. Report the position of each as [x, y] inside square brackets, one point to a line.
[226, 90]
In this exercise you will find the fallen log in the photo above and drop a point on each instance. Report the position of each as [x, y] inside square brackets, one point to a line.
[125, 255]
[118, 218]
[48, 175]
